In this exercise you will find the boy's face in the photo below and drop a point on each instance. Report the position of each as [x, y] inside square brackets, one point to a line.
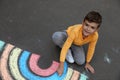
[89, 28]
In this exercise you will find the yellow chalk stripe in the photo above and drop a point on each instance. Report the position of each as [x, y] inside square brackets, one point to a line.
[69, 74]
[75, 75]
[13, 63]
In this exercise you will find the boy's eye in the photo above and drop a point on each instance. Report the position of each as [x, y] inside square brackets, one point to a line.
[86, 24]
[92, 27]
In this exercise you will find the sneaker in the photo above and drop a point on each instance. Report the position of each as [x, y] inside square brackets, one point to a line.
[69, 57]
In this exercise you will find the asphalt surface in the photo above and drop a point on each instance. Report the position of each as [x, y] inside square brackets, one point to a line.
[29, 24]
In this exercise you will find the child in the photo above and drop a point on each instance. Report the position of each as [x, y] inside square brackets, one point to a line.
[72, 39]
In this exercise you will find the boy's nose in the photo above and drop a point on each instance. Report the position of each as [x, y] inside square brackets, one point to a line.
[88, 28]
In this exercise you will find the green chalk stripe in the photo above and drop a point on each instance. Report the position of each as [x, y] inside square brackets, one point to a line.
[83, 77]
[2, 43]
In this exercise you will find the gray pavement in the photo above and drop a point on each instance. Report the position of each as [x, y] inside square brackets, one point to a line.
[29, 24]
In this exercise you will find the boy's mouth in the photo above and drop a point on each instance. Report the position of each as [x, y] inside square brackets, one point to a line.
[86, 32]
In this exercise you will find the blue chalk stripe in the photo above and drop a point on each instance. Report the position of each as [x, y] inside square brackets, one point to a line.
[1, 45]
[23, 66]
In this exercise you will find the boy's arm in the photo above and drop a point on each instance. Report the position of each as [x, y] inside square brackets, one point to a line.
[66, 46]
[91, 48]
[63, 53]
[90, 53]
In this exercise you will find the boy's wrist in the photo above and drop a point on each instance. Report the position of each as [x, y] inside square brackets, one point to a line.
[61, 64]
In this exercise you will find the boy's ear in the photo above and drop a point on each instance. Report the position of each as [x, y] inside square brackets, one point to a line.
[82, 22]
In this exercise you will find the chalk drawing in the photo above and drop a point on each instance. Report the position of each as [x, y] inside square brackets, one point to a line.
[3, 62]
[116, 50]
[31, 76]
[18, 64]
[75, 75]
[34, 58]
[83, 77]
[69, 74]
[13, 64]
[107, 58]
[2, 43]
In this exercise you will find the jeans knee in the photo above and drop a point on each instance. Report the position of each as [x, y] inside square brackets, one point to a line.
[80, 62]
[57, 38]
[54, 36]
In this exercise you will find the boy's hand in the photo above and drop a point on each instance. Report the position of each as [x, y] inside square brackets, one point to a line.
[90, 68]
[60, 68]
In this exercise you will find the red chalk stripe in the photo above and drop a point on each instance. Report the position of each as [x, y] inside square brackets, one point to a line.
[42, 72]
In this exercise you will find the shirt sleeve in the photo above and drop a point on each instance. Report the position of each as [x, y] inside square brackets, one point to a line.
[66, 46]
[91, 49]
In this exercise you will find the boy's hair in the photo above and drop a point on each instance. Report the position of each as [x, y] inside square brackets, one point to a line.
[94, 16]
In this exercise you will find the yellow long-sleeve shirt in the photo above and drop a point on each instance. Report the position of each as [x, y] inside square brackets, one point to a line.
[75, 37]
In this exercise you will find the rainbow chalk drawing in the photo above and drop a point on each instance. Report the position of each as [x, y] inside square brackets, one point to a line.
[31, 76]
[18, 64]
[35, 68]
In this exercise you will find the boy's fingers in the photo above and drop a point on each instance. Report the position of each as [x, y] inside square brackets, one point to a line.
[87, 69]
[90, 70]
[59, 74]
